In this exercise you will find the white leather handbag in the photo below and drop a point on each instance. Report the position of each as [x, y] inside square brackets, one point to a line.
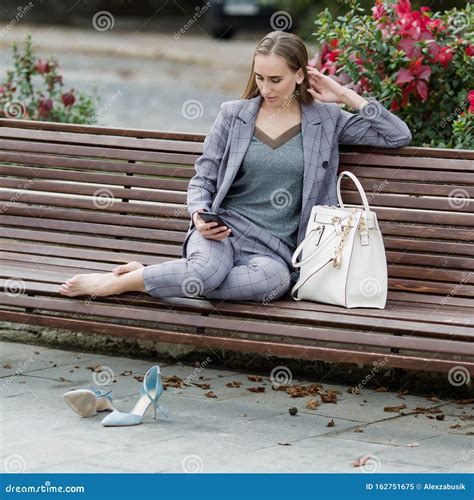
[343, 258]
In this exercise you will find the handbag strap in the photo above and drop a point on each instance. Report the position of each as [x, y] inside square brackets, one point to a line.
[300, 249]
[336, 257]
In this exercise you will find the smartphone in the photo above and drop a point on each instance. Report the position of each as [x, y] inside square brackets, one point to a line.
[213, 217]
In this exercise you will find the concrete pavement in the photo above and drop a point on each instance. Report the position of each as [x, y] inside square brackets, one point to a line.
[237, 431]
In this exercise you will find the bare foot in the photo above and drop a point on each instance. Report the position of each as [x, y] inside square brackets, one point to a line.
[97, 285]
[126, 268]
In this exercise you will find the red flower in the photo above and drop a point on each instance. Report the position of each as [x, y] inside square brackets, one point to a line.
[379, 10]
[44, 107]
[470, 98]
[416, 76]
[470, 50]
[444, 56]
[42, 66]
[68, 98]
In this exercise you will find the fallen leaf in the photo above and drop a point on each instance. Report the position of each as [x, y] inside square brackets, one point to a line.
[361, 461]
[421, 409]
[402, 393]
[96, 368]
[300, 391]
[394, 409]
[329, 397]
[284, 444]
[234, 384]
[255, 378]
[77, 366]
[359, 429]
[469, 433]
[464, 401]
[381, 389]
[126, 373]
[455, 426]
[353, 390]
[139, 377]
[434, 399]
[467, 417]
[312, 404]
[202, 386]
[256, 389]
[331, 423]
[412, 445]
[7, 366]
[173, 381]
[62, 379]
[210, 394]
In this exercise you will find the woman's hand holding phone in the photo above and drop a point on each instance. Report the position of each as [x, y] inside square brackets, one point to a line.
[212, 230]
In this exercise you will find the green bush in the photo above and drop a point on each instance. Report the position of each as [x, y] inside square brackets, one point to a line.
[418, 63]
[34, 90]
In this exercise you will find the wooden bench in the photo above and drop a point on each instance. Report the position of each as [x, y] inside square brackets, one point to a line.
[84, 199]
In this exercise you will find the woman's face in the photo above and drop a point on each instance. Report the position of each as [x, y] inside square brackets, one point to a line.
[275, 80]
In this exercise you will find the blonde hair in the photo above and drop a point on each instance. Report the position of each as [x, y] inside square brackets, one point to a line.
[293, 49]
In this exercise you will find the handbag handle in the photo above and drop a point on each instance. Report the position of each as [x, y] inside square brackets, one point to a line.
[300, 249]
[359, 188]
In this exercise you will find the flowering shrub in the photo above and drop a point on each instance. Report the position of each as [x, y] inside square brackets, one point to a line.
[34, 90]
[420, 63]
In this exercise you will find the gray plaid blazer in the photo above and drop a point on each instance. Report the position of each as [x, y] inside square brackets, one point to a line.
[323, 125]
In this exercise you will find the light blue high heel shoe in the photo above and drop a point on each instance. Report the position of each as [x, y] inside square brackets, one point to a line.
[87, 402]
[150, 392]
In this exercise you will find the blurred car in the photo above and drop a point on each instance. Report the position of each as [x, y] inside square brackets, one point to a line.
[225, 17]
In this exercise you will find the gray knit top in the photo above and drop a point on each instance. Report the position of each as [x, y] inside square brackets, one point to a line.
[268, 186]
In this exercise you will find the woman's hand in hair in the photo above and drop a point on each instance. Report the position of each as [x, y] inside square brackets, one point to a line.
[324, 88]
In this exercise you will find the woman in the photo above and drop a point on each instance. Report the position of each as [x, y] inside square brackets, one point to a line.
[268, 159]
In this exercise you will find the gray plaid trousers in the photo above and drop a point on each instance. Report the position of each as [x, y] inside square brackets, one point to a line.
[252, 265]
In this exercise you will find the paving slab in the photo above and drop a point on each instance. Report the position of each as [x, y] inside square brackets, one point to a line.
[237, 431]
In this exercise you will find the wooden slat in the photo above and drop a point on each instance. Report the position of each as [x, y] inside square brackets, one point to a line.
[429, 160]
[104, 140]
[373, 186]
[433, 287]
[81, 253]
[54, 200]
[425, 231]
[176, 164]
[424, 363]
[25, 211]
[422, 203]
[162, 234]
[94, 242]
[448, 315]
[94, 129]
[247, 326]
[90, 151]
[108, 192]
[56, 273]
[441, 176]
[23, 174]
[432, 246]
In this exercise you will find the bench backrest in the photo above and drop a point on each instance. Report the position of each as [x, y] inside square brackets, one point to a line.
[105, 195]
